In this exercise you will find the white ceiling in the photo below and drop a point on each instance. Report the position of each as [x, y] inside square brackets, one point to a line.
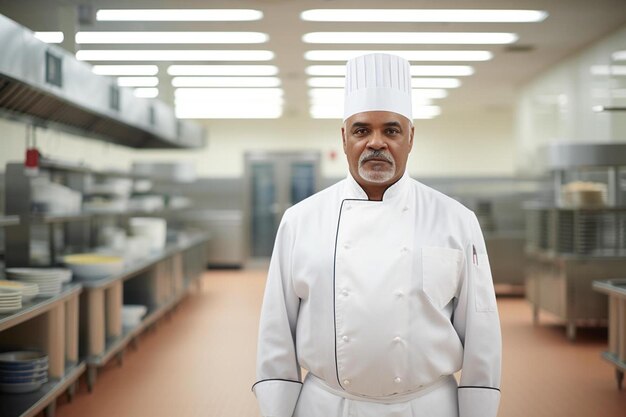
[571, 26]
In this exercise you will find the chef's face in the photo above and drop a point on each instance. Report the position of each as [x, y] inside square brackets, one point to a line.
[377, 145]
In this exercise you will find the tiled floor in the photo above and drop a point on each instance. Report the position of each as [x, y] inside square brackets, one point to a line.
[201, 363]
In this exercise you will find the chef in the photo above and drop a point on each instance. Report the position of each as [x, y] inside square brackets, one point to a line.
[379, 286]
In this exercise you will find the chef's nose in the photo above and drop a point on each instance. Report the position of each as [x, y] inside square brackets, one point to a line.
[377, 141]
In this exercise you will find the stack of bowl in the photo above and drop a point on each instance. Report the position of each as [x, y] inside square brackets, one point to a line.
[23, 371]
[49, 280]
[10, 300]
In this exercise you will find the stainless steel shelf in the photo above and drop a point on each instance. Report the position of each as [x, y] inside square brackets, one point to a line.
[147, 263]
[31, 404]
[50, 218]
[9, 221]
[82, 169]
[36, 307]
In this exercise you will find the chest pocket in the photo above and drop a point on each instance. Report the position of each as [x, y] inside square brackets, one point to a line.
[440, 274]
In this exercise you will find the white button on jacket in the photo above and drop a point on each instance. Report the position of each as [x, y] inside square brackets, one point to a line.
[411, 271]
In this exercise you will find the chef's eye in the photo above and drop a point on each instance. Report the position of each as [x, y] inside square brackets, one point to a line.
[392, 131]
[359, 131]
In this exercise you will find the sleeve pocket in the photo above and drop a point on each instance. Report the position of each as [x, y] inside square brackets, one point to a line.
[483, 283]
[440, 274]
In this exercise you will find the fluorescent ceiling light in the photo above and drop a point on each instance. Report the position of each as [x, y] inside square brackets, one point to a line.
[423, 15]
[619, 56]
[344, 55]
[146, 92]
[338, 101]
[208, 109]
[225, 82]
[236, 95]
[435, 83]
[329, 82]
[335, 112]
[137, 81]
[335, 82]
[50, 37]
[173, 55]
[448, 38]
[170, 37]
[198, 113]
[125, 69]
[429, 93]
[175, 15]
[418, 93]
[230, 70]
[416, 70]
[608, 69]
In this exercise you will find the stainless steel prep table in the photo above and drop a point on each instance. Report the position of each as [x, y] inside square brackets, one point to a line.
[616, 290]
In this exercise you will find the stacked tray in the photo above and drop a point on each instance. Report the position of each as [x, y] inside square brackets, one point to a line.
[23, 371]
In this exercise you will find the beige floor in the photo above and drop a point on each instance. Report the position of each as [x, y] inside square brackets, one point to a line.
[201, 363]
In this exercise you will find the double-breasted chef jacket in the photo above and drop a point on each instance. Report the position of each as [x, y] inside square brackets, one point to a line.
[380, 301]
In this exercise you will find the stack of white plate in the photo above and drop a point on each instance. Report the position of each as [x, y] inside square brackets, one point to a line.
[10, 300]
[22, 371]
[49, 280]
[29, 290]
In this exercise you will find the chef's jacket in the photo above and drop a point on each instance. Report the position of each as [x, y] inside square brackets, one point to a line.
[379, 300]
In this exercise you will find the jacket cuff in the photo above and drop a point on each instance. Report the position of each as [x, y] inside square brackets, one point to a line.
[478, 401]
[277, 398]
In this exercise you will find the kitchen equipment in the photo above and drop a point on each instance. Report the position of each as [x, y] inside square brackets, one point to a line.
[153, 228]
[616, 353]
[579, 236]
[92, 266]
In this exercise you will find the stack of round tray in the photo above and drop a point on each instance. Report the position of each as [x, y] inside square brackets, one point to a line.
[23, 371]
[29, 290]
[49, 280]
[10, 300]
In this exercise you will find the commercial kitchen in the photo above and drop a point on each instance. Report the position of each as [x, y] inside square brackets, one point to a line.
[149, 150]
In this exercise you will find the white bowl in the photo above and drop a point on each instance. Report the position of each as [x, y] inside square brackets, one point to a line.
[132, 314]
[93, 265]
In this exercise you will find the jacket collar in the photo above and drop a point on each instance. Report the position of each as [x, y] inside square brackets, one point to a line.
[354, 191]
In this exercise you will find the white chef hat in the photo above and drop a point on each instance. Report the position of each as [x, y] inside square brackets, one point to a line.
[378, 82]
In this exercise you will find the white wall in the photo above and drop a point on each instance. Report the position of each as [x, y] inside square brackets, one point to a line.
[557, 106]
[60, 145]
[450, 145]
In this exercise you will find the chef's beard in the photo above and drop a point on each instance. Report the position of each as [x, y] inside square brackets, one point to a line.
[373, 175]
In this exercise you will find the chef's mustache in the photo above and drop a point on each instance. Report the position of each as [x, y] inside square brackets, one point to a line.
[376, 154]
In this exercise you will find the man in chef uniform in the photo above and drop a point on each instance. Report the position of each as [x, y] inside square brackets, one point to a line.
[379, 286]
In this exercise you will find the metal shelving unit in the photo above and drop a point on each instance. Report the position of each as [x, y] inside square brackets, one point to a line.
[616, 353]
[160, 282]
[31, 404]
[51, 325]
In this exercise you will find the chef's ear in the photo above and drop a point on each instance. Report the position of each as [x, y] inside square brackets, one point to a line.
[411, 137]
[343, 137]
